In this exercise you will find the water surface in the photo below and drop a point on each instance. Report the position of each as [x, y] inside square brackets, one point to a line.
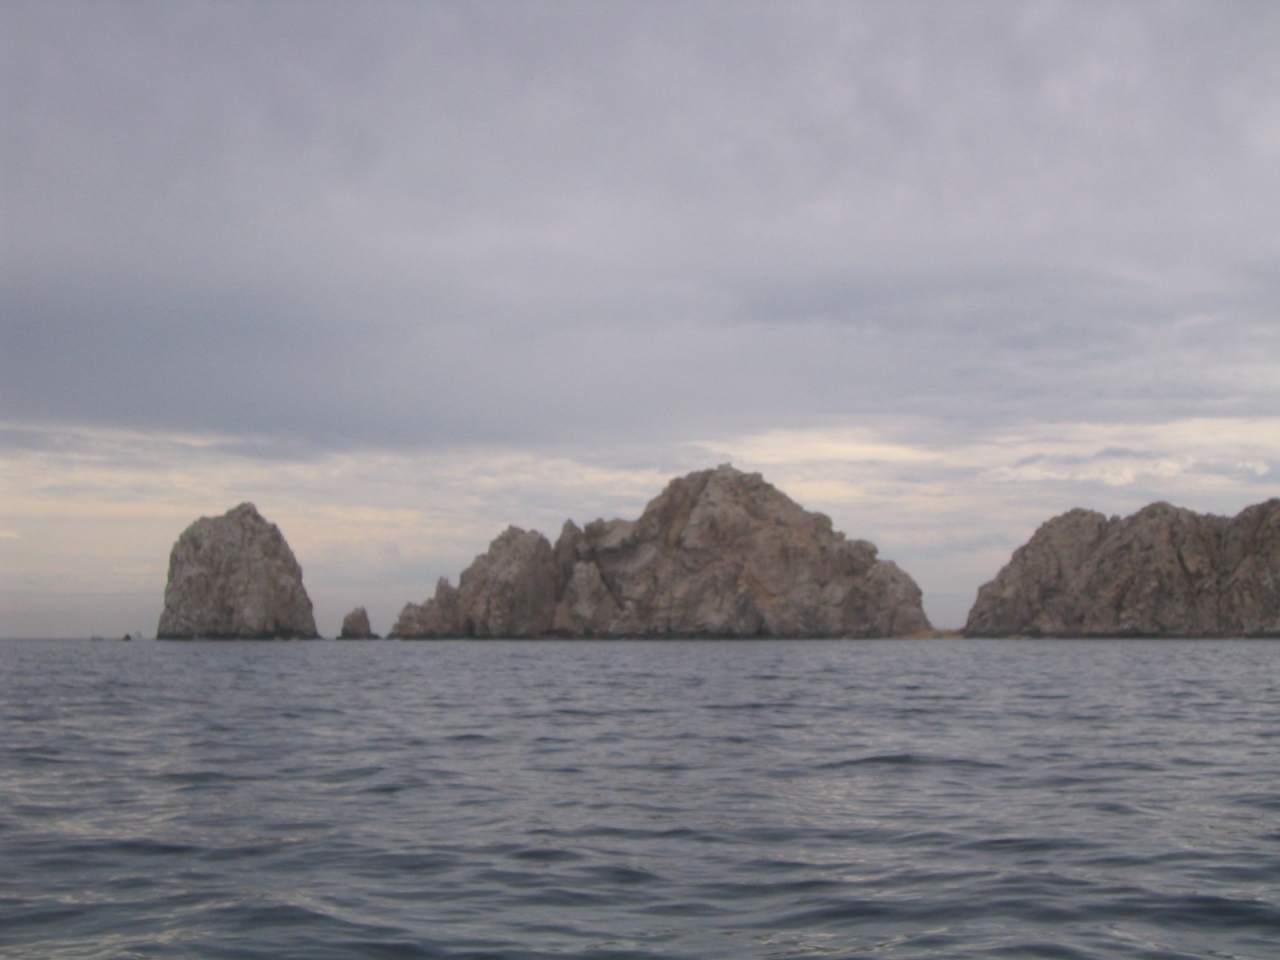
[479, 799]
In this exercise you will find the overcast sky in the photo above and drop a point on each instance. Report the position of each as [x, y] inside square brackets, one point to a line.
[403, 273]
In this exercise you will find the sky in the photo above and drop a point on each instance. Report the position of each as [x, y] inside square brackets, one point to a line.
[402, 274]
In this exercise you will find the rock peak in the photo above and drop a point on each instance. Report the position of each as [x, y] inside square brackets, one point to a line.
[234, 576]
[718, 553]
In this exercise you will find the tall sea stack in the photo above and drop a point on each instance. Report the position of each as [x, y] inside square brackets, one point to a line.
[719, 553]
[1163, 572]
[234, 577]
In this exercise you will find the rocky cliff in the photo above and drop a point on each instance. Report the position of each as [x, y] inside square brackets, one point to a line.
[234, 577]
[719, 553]
[1163, 572]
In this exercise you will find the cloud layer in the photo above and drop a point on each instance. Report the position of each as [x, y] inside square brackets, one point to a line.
[90, 514]
[627, 239]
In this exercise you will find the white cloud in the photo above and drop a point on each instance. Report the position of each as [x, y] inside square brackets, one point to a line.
[92, 513]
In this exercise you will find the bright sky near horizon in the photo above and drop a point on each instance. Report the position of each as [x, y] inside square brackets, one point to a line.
[404, 273]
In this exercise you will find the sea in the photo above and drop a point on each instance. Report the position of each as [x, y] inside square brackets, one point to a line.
[886, 799]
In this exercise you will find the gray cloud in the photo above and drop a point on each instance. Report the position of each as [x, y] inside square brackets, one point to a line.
[412, 224]
[615, 231]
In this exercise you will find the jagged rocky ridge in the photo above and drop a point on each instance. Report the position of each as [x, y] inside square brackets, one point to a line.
[234, 576]
[1163, 572]
[719, 553]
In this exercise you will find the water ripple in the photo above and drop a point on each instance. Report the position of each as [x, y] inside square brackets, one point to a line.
[665, 801]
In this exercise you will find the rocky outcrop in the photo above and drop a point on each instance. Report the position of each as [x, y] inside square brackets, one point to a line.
[1163, 572]
[508, 592]
[355, 626]
[234, 577]
[719, 553]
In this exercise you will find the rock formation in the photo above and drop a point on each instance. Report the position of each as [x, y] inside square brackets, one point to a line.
[1163, 572]
[234, 577]
[355, 626]
[508, 592]
[719, 553]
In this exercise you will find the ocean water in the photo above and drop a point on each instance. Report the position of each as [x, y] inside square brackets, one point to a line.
[472, 799]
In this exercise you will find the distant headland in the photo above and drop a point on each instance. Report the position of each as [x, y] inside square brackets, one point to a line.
[724, 554]
[1162, 572]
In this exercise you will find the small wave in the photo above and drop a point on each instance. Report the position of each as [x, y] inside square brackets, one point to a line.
[779, 889]
[1031, 844]
[628, 876]
[1222, 913]
[351, 774]
[395, 786]
[909, 760]
[1268, 801]
[752, 705]
[1042, 950]
[544, 855]
[564, 897]
[207, 778]
[686, 908]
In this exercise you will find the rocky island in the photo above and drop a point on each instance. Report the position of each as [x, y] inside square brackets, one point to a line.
[355, 626]
[719, 553]
[1163, 572]
[234, 577]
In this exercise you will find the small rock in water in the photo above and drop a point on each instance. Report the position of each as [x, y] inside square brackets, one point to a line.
[355, 626]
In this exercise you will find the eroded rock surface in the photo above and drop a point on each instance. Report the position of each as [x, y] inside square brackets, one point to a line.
[1163, 572]
[719, 553]
[356, 626]
[510, 591]
[234, 576]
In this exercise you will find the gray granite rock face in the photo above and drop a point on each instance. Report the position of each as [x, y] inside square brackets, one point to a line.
[356, 626]
[719, 553]
[1163, 572]
[234, 576]
[510, 591]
